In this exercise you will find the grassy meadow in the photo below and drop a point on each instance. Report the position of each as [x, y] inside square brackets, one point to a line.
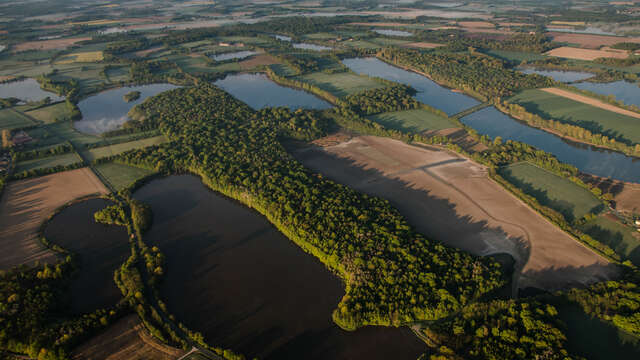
[110, 150]
[341, 84]
[417, 120]
[551, 190]
[12, 119]
[120, 176]
[624, 240]
[48, 162]
[50, 114]
[560, 108]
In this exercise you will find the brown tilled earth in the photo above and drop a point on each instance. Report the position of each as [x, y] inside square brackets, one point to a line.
[590, 41]
[422, 45]
[261, 59]
[452, 199]
[126, 339]
[26, 204]
[47, 44]
[586, 54]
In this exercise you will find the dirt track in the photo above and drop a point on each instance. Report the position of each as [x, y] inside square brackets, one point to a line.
[125, 339]
[451, 199]
[26, 204]
[591, 101]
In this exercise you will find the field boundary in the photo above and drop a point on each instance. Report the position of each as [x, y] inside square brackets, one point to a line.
[590, 101]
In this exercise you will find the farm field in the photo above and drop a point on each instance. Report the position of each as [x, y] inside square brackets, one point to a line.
[126, 339]
[48, 162]
[81, 57]
[588, 40]
[515, 56]
[55, 44]
[12, 119]
[553, 191]
[341, 84]
[51, 113]
[363, 44]
[556, 107]
[591, 101]
[422, 45]
[451, 199]
[624, 240]
[417, 120]
[59, 132]
[26, 204]
[109, 150]
[119, 175]
[586, 54]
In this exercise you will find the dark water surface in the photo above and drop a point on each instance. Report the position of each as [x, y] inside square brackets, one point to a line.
[429, 92]
[232, 276]
[107, 110]
[489, 121]
[258, 91]
[26, 90]
[101, 249]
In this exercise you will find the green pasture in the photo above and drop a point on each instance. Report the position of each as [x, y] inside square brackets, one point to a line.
[48, 162]
[624, 240]
[110, 150]
[12, 119]
[576, 113]
[283, 69]
[120, 176]
[515, 56]
[60, 132]
[417, 120]
[558, 193]
[389, 41]
[51, 113]
[341, 84]
[361, 44]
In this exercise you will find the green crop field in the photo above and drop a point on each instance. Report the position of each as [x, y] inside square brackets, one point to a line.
[12, 119]
[515, 56]
[559, 108]
[362, 44]
[120, 176]
[51, 113]
[341, 84]
[60, 132]
[624, 240]
[418, 120]
[47, 162]
[97, 153]
[551, 190]
[321, 36]
[389, 42]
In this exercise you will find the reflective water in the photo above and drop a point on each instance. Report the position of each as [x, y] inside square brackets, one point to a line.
[393, 32]
[559, 75]
[627, 92]
[26, 90]
[233, 55]
[313, 47]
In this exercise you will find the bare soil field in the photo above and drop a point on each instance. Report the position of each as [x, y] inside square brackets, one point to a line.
[262, 59]
[590, 41]
[125, 339]
[26, 204]
[625, 195]
[585, 54]
[422, 45]
[591, 101]
[47, 44]
[451, 199]
[476, 24]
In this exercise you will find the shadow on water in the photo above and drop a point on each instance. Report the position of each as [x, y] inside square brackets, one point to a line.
[233, 277]
[101, 250]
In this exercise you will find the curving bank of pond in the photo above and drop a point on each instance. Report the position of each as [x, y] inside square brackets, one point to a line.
[101, 250]
[258, 91]
[26, 90]
[429, 92]
[232, 276]
[108, 110]
[590, 159]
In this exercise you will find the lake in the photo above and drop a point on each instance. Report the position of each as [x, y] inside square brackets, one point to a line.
[429, 92]
[627, 92]
[101, 249]
[393, 32]
[107, 110]
[258, 91]
[313, 47]
[489, 121]
[233, 55]
[587, 30]
[26, 90]
[250, 288]
[282, 37]
[559, 75]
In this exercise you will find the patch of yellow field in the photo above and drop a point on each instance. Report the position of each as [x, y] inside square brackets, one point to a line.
[89, 56]
[95, 22]
[570, 23]
[585, 54]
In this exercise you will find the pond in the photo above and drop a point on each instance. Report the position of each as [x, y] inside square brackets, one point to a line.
[258, 91]
[108, 110]
[26, 90]
[393, 32]
[250, 288]
[233, 55]
[429, 92]
[627, 92]
[282, 37]
[313, 47]
[489, 121]
[559, 75]
[101, 250]
[587, 30]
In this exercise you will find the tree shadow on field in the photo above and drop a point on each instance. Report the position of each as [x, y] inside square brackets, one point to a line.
[435, 217]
